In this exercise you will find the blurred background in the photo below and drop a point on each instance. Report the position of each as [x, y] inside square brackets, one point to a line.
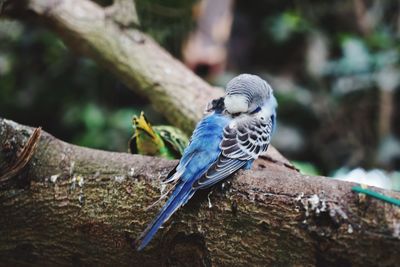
[334, 66]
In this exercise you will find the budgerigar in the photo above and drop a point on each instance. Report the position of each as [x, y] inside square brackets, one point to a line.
[162, 140]
[236, 131]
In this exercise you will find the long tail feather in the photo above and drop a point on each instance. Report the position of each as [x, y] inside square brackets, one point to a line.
[164, 195]
[179, 197]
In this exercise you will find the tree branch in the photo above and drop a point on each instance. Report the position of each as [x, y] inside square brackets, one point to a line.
[74, 205]
[132, 56]
[123, 12]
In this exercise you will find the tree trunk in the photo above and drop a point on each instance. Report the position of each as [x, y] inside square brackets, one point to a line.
[78, 206]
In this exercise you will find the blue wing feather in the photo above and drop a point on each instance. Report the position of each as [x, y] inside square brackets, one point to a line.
[219, 171]
[202, 151]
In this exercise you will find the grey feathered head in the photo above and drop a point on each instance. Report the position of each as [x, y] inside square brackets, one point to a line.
[245, 93]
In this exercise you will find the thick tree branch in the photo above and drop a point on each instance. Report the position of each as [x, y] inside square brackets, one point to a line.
[132, 56]
[73, 205]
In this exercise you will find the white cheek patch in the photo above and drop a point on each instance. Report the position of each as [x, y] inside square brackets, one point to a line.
[267, 109]
[236, 104]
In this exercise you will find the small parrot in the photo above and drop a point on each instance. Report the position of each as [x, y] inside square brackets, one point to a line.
[236, 130]
[165, 141]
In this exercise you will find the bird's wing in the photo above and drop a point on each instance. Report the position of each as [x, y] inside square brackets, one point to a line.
[246, 140]
[202, 151]
[242, 142]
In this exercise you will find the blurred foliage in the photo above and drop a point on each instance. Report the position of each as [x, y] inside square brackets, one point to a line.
[100, 127]
[334, 66]
[283, 26]
[167, 21]
[335, 70]
[306, 168]
[42, 83]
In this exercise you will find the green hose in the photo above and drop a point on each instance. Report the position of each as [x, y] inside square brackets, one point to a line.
[376, 195]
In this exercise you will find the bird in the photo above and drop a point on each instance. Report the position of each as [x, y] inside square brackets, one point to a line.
[236, 129]
[162, 140]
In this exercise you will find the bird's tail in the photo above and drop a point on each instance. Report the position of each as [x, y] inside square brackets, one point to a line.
[179, 197]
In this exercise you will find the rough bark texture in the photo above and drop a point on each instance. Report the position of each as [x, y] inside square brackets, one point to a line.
[79, 206]
[132, 56]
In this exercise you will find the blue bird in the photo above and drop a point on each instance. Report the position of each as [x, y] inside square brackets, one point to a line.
[235, 132]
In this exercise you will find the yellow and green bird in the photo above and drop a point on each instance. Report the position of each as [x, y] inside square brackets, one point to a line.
[165, 141]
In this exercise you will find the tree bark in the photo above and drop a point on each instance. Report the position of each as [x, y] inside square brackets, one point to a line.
[78, 206]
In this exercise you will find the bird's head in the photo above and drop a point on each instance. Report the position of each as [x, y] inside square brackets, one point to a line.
[142, 124]
[246, 93]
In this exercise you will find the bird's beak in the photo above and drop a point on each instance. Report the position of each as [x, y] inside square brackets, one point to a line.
[142, 123]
